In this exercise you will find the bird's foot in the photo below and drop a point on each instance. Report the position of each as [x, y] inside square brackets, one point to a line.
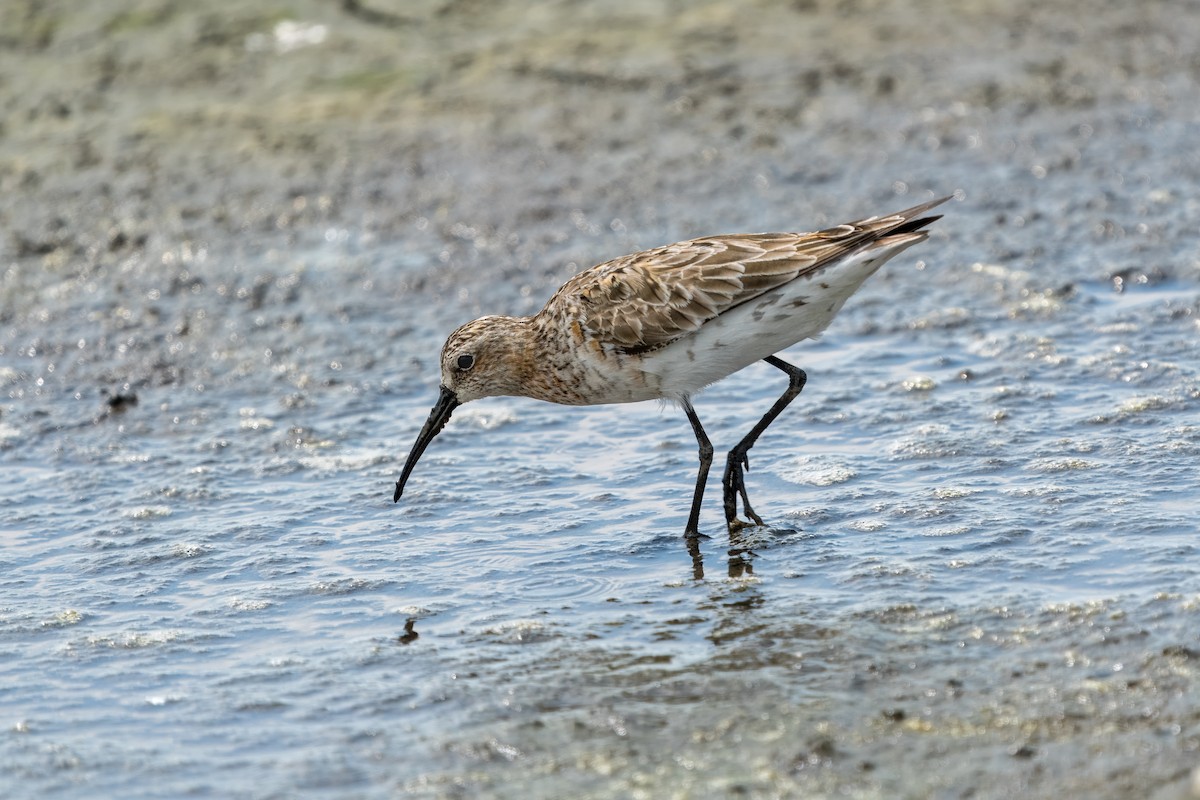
[734, 485]
[737, 524]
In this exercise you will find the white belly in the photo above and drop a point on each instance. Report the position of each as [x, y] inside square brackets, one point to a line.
[761, 327]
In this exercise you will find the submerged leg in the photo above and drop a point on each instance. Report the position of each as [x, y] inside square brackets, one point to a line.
[734, 481]
[706, 456]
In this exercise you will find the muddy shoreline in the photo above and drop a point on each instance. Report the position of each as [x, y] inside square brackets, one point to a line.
[261, 222]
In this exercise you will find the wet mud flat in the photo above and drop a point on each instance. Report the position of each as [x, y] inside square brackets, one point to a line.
[232, 240]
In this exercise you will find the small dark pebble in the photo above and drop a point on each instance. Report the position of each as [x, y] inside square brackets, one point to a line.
[1179, 651]
[120, 401]
[824, 748]
[1024, 751]
[409, 636]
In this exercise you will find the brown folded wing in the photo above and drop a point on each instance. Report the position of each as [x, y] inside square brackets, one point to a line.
[644, 301]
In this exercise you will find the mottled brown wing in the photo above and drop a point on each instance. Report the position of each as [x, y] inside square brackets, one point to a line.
[646, 300]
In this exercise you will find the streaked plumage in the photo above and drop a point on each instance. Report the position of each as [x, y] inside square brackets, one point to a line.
[664, 323]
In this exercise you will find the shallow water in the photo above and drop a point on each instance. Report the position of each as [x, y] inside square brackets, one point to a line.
[980, 576]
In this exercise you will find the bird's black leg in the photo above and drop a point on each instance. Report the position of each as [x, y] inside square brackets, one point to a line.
[706, 456]
[734, 481]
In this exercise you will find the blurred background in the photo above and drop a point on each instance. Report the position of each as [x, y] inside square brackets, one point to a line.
[233, 237]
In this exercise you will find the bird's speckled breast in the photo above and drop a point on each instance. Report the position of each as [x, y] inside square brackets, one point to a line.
[583, 370]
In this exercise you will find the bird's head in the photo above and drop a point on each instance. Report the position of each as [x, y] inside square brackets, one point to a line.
[481, 359]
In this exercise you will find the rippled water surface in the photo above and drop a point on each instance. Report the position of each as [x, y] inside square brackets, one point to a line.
[980, 575]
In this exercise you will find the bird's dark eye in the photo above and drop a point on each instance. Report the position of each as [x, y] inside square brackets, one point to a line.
[466, 361]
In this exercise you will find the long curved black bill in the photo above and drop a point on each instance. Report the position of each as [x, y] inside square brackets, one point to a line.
[438, 417]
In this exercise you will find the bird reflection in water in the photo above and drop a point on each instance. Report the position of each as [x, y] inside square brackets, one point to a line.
[741, 557]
